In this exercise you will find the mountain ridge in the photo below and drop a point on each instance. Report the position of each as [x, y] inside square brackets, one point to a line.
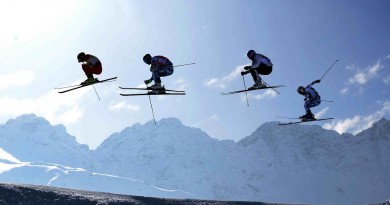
[274, 163]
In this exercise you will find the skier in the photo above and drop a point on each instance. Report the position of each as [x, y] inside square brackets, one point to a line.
[312, 99]
[91, 65]
[160, 66]
[261, 65]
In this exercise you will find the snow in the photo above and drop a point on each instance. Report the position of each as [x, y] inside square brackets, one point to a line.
[290, 164]
[40, 173]
[6, 156]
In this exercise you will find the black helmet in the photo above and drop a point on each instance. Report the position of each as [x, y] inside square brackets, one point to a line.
[251, 53]
[147, 59]
[301, 90]
[81, 56]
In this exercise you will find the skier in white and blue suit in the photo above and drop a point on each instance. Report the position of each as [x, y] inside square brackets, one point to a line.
[160, 66]
[261, 65]
[312, 99]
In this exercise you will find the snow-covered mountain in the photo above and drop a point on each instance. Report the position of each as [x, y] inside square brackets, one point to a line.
[321, 166]
[174, 155]
[290, 164]
[32, 138]
[38, 173]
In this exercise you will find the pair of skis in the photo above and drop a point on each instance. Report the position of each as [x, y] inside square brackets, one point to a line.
[272, 87]
[151, 91]
[251, 89]
[302, 120]
[74, 87]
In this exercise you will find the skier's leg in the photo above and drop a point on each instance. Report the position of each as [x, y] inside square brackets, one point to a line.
[264, 70]
[97, 69]
[255, 75]
[165, 71]
[87, 70]
[307, 106]
[157, 80]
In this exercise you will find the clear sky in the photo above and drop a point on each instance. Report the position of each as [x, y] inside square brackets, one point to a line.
[39, 42]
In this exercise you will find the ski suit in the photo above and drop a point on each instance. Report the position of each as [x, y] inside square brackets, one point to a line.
[261, 65]
[160, 67]
[312, 98]
[92, 66]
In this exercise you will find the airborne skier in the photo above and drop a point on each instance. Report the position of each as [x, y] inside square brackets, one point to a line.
[312, 99]
[261, 65]
[91, 65]
[160, 66]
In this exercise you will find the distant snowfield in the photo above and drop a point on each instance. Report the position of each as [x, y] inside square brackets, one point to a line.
[302, 164]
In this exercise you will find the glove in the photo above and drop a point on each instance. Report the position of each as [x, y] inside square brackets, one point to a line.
[316, 81]
[305, 99]
[148, 81]
[247, 67]
[243, 73]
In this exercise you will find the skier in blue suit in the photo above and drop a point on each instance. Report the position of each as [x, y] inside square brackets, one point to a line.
[160, 66]
[312, 99]
[261, 65]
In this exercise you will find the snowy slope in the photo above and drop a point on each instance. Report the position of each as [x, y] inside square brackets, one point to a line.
[32, 138]
[14, 171]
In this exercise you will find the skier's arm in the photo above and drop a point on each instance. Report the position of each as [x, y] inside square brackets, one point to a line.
[147, 81]
[311, 84]
[316, 81]
[247, 70]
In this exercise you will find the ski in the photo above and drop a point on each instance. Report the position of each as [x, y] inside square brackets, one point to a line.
[306, 120]
[240, 91]
[149, 88]
[150, 93]
[290, 118]
[81, 86]
[72, 86]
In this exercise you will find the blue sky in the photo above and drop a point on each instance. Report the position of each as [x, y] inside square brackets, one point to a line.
[40, 40]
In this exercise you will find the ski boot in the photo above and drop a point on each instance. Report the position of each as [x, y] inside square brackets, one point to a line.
[258, 84]
[307, 117]
[157, 88]
[90, 80]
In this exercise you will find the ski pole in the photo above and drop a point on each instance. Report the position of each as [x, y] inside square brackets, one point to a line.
[328, 69]
[151, 106]
[269, 86]
[96, 91]
[327, 101]
[183, 65]
[246, 93]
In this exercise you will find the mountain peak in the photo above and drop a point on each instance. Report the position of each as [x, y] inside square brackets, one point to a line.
[170, 121]
[28, 118]
[382, 121]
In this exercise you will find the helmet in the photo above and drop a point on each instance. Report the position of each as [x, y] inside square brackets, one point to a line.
[301, 90]
[251, 53]
[147, 59]
[80, 56]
